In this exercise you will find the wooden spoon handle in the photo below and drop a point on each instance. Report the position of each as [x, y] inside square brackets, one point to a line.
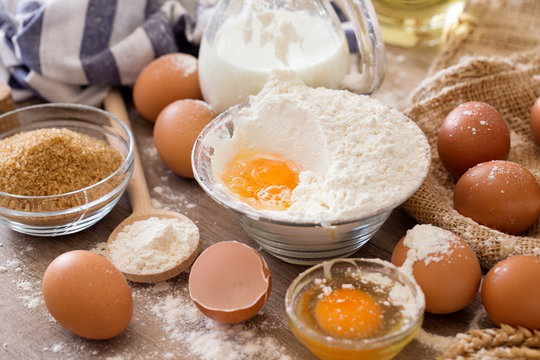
[137, 187]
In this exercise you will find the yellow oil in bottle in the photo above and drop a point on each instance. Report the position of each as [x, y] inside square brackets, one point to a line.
[417, 23]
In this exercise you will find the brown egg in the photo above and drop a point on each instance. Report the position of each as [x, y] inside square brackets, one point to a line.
[87, 295]
[472, 133]
[166, 79]
[535, 121]
[230, 282]
[499, 194]
[444, 266]
[511, 292]
[176, 130]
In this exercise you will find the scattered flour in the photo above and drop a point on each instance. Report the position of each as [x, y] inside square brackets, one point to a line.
[24, 285]
[161, 286]
[159, 205]
[349, 145]
[30, 293]
[100, 248]
[173, 197]
[153, 245]
[436, 342]
[33, 303]
[14, 265]
[31, 298]
[57, 348]
[208, 339]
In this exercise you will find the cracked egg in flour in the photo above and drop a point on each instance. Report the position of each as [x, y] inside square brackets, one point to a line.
[345, 160]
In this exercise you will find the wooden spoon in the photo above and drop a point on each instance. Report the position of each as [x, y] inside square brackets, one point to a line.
[141, 203]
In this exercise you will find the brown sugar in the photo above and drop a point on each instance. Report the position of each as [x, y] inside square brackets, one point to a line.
[54, 161]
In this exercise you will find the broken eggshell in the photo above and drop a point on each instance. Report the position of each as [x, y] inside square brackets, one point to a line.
[230, 282]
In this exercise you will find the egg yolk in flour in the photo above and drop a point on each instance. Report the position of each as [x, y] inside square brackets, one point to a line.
[348, 314]
[262, 180]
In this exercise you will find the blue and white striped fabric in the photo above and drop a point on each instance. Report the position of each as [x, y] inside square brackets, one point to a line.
[75, 50]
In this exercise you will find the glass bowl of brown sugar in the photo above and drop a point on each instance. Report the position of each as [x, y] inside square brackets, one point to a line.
[63, 167]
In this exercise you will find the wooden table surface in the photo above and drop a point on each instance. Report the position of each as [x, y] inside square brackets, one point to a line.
[165, 324]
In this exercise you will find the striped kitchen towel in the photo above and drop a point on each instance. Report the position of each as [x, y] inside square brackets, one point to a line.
[74, 50]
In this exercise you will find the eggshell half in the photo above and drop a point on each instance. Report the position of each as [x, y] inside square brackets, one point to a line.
[230, 282]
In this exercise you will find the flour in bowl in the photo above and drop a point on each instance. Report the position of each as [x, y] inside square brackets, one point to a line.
[359, 157]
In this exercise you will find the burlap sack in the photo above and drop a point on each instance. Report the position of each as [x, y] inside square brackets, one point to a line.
[494, 56]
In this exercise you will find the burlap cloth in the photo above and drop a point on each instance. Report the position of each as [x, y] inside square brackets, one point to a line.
[492, 56]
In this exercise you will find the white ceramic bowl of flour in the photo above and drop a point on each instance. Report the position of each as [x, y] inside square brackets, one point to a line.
[361, 159]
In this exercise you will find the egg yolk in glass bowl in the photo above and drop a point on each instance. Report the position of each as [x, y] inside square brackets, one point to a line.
[350, 310]
[262, 180]
[348, 313]
[354, 309]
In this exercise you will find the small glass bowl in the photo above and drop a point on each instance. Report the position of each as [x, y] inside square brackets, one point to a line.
[327, 347]
[293, 242]
[70, 212]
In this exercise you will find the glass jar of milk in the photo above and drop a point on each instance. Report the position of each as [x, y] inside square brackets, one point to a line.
[246, 39]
